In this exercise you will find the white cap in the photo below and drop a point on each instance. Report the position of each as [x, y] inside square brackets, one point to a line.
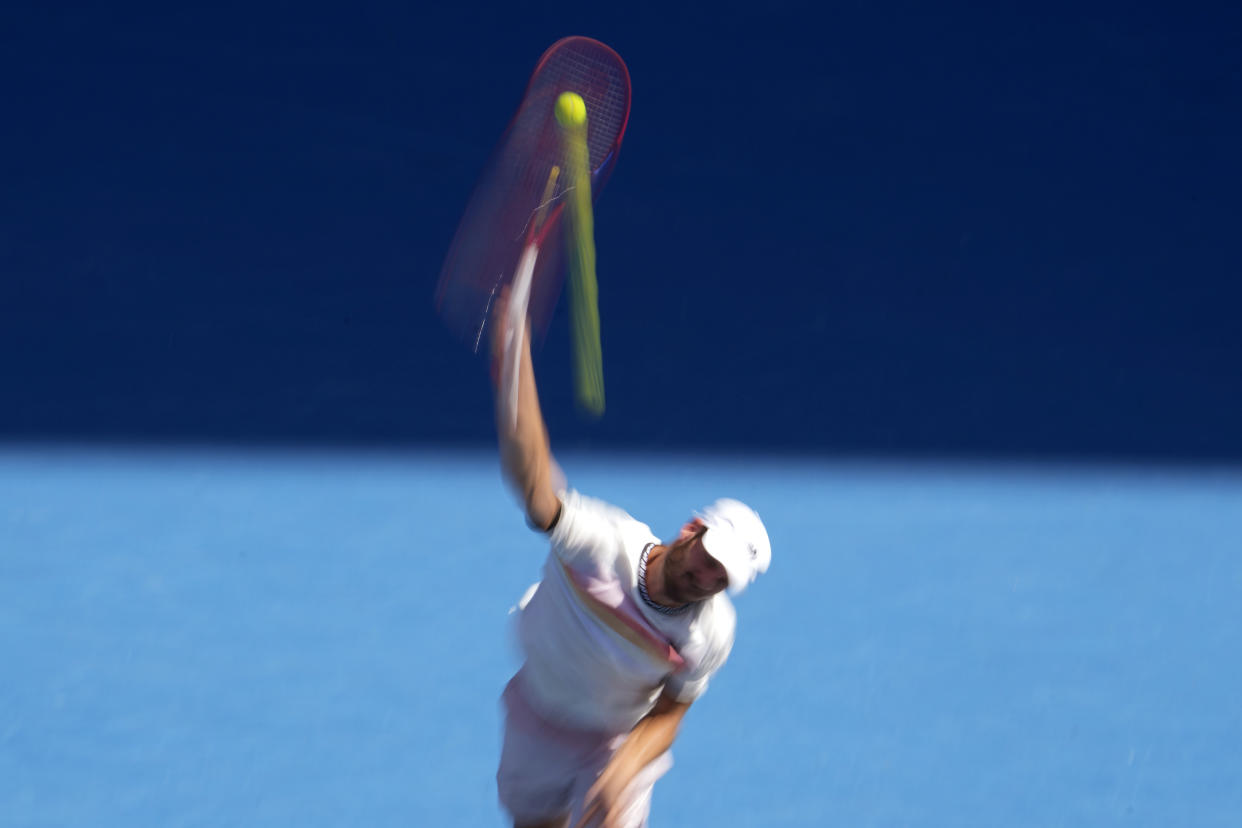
[735, 536]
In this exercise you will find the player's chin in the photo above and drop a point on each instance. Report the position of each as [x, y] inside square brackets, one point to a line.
[694, 593]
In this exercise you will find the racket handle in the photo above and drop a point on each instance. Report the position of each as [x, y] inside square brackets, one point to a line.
[515, 332]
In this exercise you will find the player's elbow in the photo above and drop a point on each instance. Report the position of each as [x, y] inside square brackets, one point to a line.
[543, 509]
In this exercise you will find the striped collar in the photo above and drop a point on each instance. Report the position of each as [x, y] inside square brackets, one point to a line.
[642, 587]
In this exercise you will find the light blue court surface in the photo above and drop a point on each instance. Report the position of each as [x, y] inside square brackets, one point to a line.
[202, 638]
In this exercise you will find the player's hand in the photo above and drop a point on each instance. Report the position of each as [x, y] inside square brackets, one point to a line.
[603, 804]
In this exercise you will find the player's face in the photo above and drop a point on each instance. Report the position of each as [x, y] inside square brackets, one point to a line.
[690, 574]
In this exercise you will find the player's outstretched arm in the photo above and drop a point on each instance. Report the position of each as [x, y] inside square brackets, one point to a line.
[650, 738]
[525, 456]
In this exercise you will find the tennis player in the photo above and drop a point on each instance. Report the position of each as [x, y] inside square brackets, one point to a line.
[620, 636]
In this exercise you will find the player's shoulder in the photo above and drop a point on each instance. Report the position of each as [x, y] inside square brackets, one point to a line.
[587, 521]
[577, 501]
[723, 610]
[718, 620]
[710, 637]
[585, 508]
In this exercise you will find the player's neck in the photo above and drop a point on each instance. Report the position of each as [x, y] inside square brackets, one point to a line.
[655, 577]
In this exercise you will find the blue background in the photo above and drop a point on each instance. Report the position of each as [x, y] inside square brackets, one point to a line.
[890, 227]
[206, 638]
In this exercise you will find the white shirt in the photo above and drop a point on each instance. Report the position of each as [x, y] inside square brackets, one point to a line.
[597, 656]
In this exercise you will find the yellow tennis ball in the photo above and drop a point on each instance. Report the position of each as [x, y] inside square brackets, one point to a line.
[570, 109]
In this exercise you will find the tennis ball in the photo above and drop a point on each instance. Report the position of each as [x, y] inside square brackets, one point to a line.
[570, 109]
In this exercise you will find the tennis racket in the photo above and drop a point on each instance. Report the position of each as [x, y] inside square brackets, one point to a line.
[514, 231]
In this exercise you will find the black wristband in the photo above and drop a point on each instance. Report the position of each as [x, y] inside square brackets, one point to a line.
[555, 520]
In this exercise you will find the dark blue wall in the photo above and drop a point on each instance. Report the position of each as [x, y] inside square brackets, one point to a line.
[858, 227]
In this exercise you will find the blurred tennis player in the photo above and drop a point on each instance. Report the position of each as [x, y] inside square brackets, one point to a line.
[619, 638]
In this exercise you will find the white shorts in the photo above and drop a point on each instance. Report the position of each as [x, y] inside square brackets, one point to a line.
[546, 769]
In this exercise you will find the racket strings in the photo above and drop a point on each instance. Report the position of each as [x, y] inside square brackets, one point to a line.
[513, 205]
